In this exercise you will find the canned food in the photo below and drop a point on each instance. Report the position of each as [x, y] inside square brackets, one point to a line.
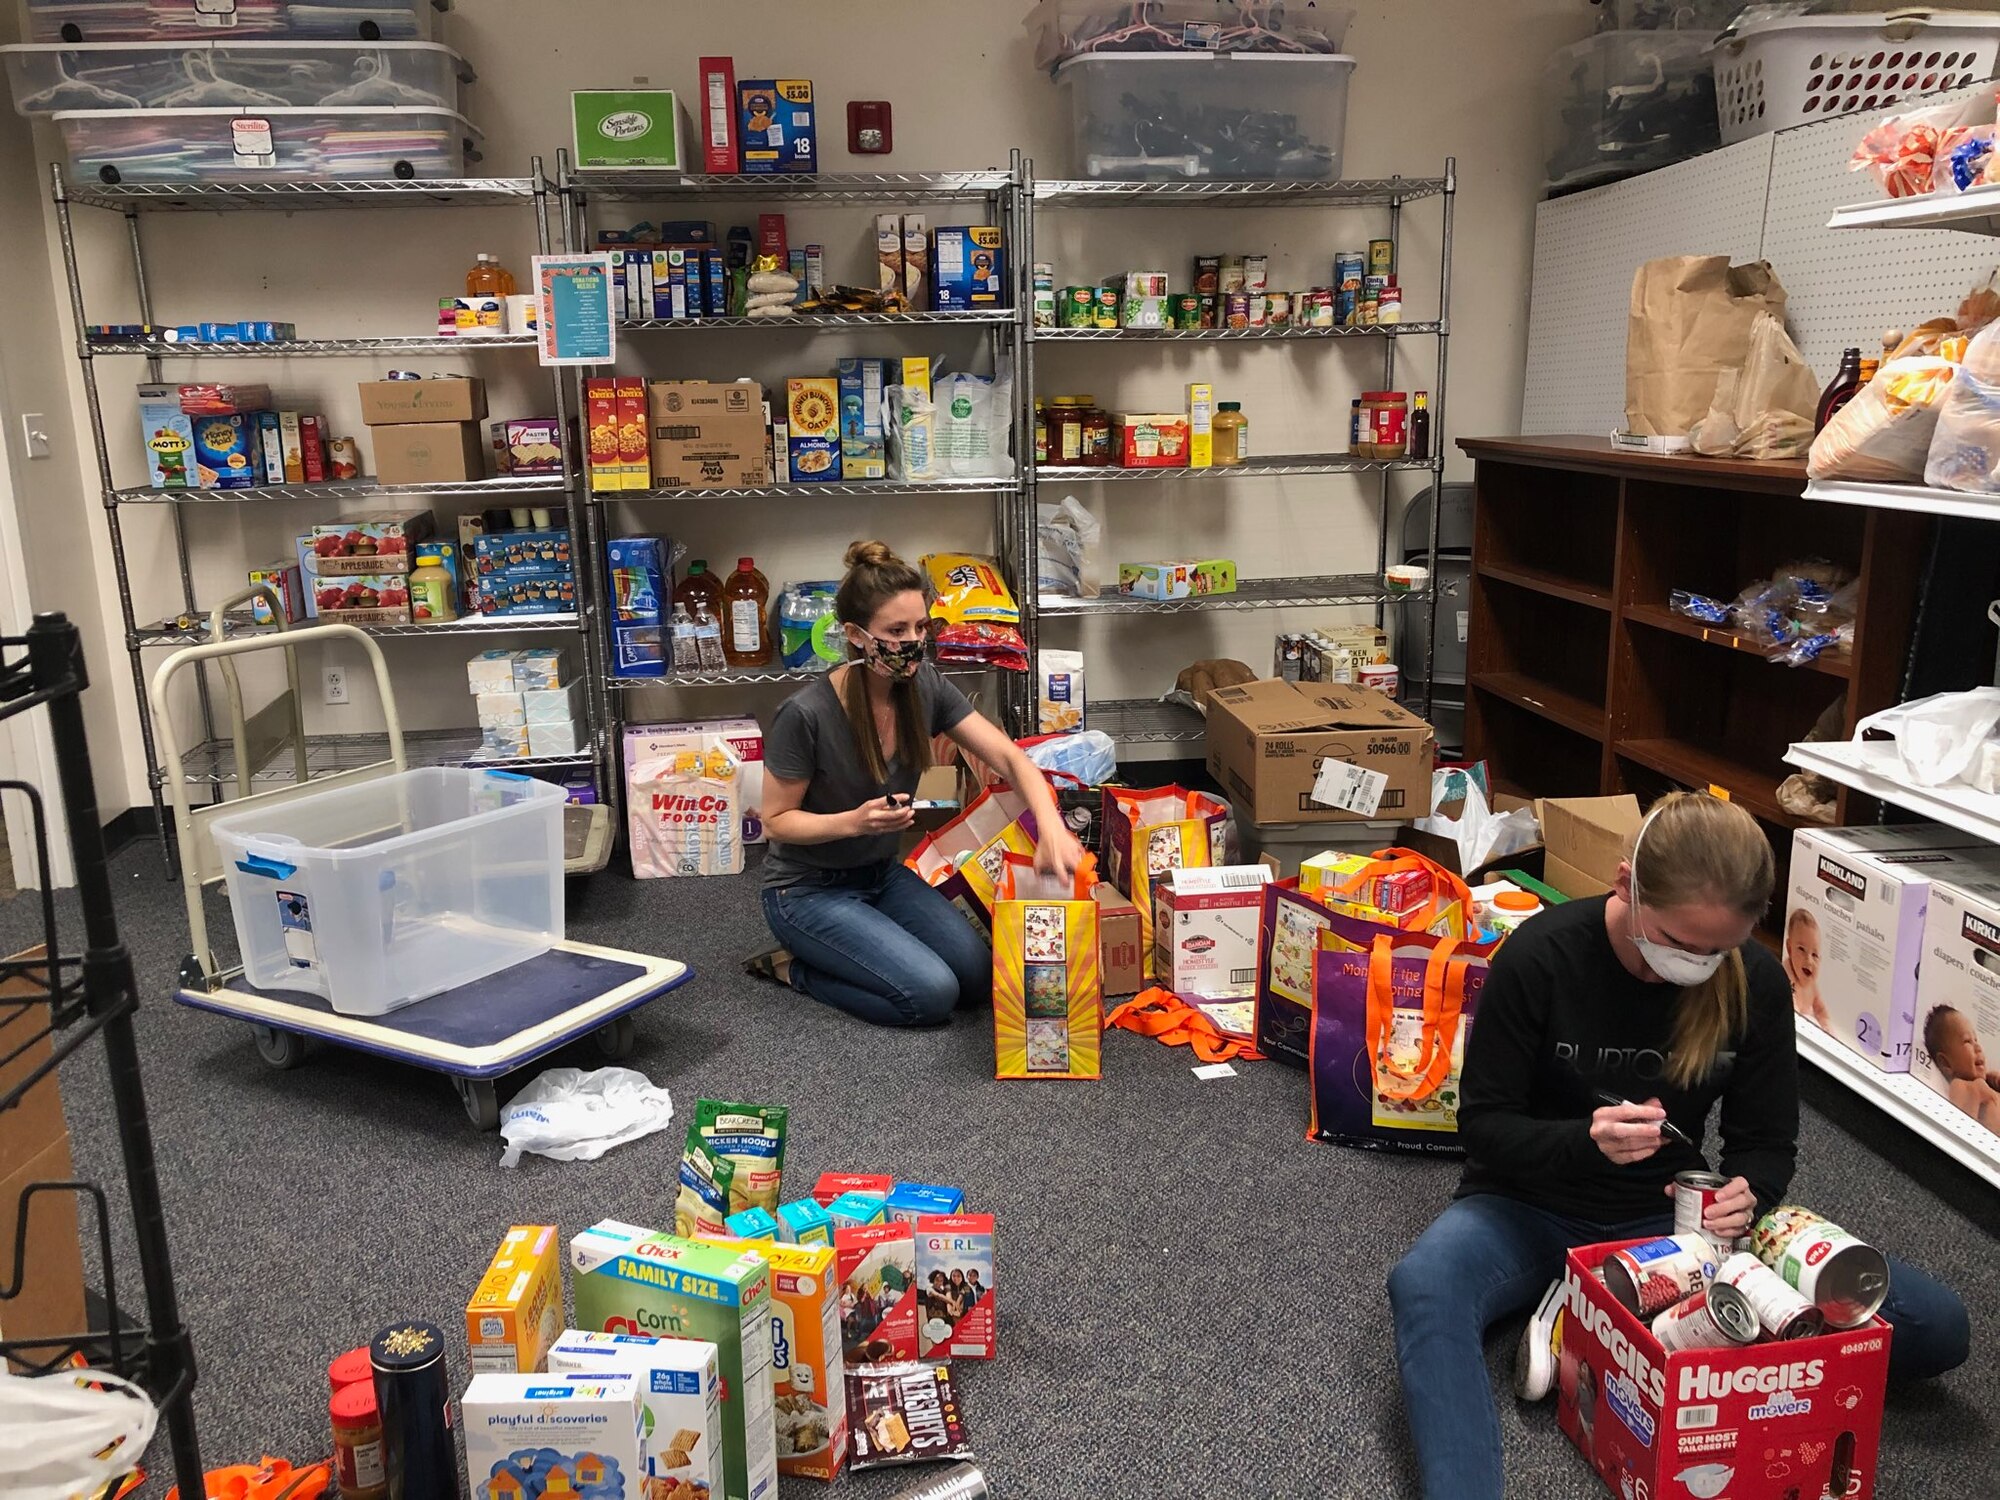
[959, 1482]
[1207, 273]
[1278, 309]
[1077, 307]
[1256, 273]
[1782, 1311]
[1389, 309]
[1229, 275]
[1349, 266]
[1716, 1317]
[1844, 1277]
[1109, 299]
[1385, 678]
[1651, 1277]
[1257, 305]
[1211, 309]
[1382, 257]
[1236, 310]
[1044, 307]
[1354, 436]
[1044, 273]
[1290, 649]
[1184, 310]
[1346, 309]
[1693, 1193]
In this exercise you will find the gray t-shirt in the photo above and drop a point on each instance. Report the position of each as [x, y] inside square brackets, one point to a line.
[812, 741]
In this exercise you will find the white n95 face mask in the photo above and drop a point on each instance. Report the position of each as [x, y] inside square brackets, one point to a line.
[53, 1427]
[1676, 966]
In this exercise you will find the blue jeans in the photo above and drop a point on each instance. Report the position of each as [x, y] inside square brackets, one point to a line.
[878, 943]
[1488, 1257]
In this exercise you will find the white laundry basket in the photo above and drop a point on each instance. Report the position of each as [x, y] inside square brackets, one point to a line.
[1797, 69]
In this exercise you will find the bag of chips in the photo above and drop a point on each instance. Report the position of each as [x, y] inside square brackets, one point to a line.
[701, 1205]
[969, 589]
[751, 1139]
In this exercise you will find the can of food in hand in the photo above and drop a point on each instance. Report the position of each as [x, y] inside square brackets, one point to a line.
[1382, 257]
[1844, 1277]
[1278, 309]
[1782, 1312]
[1184, 310]
[1236, 309]
[1716, 1317]
[1207, 273]
[1077, 307]
[1652, 1276]
[1349, 266]
[1109, 299]
[1693, 1193]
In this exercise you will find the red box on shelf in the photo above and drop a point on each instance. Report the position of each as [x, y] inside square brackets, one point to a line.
[718, 116]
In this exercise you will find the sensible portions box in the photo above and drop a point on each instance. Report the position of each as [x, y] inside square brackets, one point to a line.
[515, 1312]
[645, 1281]
[1269, 742]
[956, 1318]
[1771, 1421]
[1958, 997]
[552, 1434]
[679, 1389]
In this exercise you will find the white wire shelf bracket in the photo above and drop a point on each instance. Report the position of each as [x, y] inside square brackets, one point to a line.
[1252, 468]
[287, 195]
[1357, 193]
[1251, 593]
[1975, 211]
[1913, 497]
[1905, 1099]
[193, 630]
[1379, 330]
[622, 186]
[1146, 721]
[978, 317]
[497, 489]
[856, 490]
[309, 348]
[213, 762]
[1873, 768]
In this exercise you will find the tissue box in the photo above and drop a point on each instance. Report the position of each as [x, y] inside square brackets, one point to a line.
[542, 669]
[500, 710]
[555, 706]
[566, 738]
[491, 671]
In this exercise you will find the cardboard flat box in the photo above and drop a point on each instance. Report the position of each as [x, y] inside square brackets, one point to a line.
[1118, 956]
[1586, 839]
[1267, 741]
[386, 403]
[34, 1147]
[706, 436]
[429, 452]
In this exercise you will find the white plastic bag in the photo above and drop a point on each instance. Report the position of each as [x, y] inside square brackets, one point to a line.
[1066, 559]
[1090, 755]
[572, 1115]
[1764, 410]
[1940, 738]
[60, 1438]
[1479, 832]
[912, 432]
[973, 423]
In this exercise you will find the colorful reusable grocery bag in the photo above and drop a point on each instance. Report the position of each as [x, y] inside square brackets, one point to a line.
[1048, 989]
[1147, 833]
[962, 860]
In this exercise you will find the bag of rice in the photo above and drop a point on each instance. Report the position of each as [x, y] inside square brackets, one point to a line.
[751, 1139]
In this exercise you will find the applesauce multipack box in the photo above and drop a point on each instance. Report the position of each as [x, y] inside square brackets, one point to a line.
[956, 1318]
[878, 1292]
[516, 1311]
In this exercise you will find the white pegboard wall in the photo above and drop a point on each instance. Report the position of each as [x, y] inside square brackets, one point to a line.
[1587, 246]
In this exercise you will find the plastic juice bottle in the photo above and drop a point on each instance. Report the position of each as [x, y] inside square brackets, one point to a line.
[746, 622]
[488, 278]
[701, 586]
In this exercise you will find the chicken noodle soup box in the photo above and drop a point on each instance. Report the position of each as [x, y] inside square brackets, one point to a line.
[632, 1280]
[679, 1387]
[527, 1436]
[1764, 1422]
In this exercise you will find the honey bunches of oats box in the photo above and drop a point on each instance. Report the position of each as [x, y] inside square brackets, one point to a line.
[632, 1280]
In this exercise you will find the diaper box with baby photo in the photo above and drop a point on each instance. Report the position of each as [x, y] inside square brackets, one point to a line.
[1958, 998]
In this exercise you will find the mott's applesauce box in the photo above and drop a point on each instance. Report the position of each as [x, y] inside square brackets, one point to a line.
[514, 1315]
[646, 1281]
[955, 1313]
[680, 1404]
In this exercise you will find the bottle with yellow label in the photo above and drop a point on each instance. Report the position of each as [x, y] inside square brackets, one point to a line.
[431, 592]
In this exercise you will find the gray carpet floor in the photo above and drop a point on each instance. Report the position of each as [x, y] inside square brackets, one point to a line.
[1190, 1294]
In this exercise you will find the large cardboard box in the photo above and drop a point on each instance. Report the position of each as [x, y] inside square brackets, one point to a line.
[1205, 930]
[1770, 1421]
[386, 403]
[1118, 956]
[429, 452]
[1267, 741]
[1956, 1031]
[34, 1147]
[707, 436]
[1586, 839]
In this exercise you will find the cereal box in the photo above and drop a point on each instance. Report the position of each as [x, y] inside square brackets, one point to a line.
[775, 125]
[863, 432]
[813, 426]
[854, 1210]
[552, 1434]
[680, 1405]
[513, 1316]
[878, 1291]
[808, 1371]
[804, 1223]
[227, 452]
[955, 1318]
[600, 410]
[911, 1201]
[635, 457]
[169, 436]
[632, 1280]
[832, 1184]
[718, 116]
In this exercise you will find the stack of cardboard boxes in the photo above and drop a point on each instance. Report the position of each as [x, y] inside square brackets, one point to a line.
[529, 703]
[426, 431]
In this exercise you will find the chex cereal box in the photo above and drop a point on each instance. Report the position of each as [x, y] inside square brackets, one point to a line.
[680, 1404]
[1767, 1421]
[832, 1184]
[632, 1280]
[878, 1292]
[955, 1314]
[808, 1372]
[513, 1316]
[534, 1435]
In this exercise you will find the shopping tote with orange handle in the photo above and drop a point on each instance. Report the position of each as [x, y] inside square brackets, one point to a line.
[1048, 986]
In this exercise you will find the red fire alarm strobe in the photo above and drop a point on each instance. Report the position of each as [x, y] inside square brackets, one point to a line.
[869, 131]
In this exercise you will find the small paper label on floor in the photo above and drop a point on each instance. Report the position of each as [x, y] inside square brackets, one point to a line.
[1349, 788]
[1214, 1070]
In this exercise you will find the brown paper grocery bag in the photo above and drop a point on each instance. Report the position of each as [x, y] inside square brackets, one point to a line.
[1690, 321]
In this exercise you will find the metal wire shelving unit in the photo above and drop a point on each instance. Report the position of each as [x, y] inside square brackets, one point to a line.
[1143, 721]
[134, 201]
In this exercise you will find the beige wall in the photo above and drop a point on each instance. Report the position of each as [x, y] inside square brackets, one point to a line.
[1451, 77]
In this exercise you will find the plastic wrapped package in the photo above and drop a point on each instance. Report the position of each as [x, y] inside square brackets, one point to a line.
[1698, 607]
[1066, 558]
[1764, 410]
[1903, 149]
[1884, 434]
[1624, 102]
[973, 417]
[1965, 448]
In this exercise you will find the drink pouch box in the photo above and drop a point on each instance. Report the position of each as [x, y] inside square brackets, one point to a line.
[775, 126]
[813, 424]
[752, 1224]
[804, 1223]
[910, 1201]
[679, 1385]
[877, 1266]
[286, 578]
[631, 1280]
[856, 1210]
[168, 433]
[517, 1307]
[832, 1184]
[864, 450]
[956, 1317]
[522, 1431]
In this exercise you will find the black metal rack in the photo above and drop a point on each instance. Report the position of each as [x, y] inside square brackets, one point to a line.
[87, 995]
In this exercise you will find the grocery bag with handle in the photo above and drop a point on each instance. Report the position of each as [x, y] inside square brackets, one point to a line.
[963, 860]
[1147, 833]
[1048, 986]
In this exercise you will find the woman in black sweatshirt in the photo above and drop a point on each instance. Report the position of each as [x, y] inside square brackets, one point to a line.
[1655, 994]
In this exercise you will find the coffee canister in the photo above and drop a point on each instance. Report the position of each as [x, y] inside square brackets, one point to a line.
[413, 1395]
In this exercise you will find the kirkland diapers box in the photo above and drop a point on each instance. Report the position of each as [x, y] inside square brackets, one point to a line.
[743, 736]
[1854, 928]
[1958, 997]
[1268, 740]
[1770, 1421]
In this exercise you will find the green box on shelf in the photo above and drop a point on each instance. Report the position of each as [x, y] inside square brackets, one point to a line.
[629, 128]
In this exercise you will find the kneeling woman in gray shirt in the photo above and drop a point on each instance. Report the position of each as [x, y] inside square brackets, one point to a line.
[860, 931]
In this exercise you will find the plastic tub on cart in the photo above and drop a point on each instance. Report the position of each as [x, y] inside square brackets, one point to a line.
[1176, 116]
[183, 20]
[233, 145]
[233, 74]
[376, 895]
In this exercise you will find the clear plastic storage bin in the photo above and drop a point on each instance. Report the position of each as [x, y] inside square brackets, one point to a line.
[1175, 116]
[232, 145]
[376, 895]
[181, 20]
[235, 74]
[1624, 102]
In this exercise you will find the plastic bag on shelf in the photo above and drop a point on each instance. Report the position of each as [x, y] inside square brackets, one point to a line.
[572, 1115]
[1698, 607]
[971, 426]
[1090, 755]
[1066, 557]
[1765, 409]
[1480, 833]
[1965, 447]
[1884, 434]
[1903, 149]
[1940, 738]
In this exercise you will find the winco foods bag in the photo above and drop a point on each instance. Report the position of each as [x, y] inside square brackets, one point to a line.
[1689, 324]
[684, 814]
[1048, 987]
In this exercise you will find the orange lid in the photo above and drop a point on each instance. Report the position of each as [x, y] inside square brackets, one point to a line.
[352, 1367]
[1516, 901]
[353, 1404]
[746, 564]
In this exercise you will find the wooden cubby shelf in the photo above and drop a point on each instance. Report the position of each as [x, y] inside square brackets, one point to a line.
[1544, 582]
[1576, 714]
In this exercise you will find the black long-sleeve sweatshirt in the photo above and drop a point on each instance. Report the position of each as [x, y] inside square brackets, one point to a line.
[1561, 1018]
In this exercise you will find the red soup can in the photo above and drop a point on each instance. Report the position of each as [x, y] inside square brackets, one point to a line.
[1652, 1276]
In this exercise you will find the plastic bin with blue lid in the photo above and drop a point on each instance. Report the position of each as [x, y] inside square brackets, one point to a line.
[233, 74]
[180, 20]
[239, 145]
[377, 895]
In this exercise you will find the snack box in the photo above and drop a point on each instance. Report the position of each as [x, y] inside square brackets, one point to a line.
[775, 126]
[916, 242]
[217, 398]
[956, 1245]
[631, 1280]
[372, 544]
[629, 128]
[388, 403]
[680, 1404]
[365, 599]
[888, 254]
[543, 669]
[527, 445]
[228, 454]
[854, 1210]
[517, 1308]
[864, 443]
[491, 671]
[804, 1223]
[968, 269]
[1150, 442]
[752, 1223]
[721, 151]
[877, 1265]
[832, 1184]
[910, 1201]
[1201, 425]
[813, 428]
[521, 1431]
[528, 596]
[523, 554]
[1176, 580]
[286, 578]
[168, 433]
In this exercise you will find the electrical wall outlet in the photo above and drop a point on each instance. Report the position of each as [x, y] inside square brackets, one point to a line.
[333, 685]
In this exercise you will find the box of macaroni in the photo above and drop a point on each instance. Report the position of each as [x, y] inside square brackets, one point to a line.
[680, 1404]
[515, 1313]
[552, 1434]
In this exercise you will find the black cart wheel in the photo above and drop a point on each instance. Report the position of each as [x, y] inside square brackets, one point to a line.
[616, 1039]
[283, 1050]
[481, 1100]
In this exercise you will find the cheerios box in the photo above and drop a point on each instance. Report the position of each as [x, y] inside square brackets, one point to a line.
[632, 1280]
[1762, 1422]
[517, 1308]
[878, 1292]
[955, 1313]
[521, 1431]
[680, 1402]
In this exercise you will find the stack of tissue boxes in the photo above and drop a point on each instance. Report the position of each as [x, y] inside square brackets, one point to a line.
[529, 702]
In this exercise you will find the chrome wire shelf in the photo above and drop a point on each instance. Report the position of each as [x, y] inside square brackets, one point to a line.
[352, 489]
[1251, 593]
[415, 192]
[748, 676]
[1361, 192]
[1251, 468]
[857, 490]
[1383, 330]
[976, 318]
[310, 348]
[851, 187]
[240, 623]
[1146, 721]
[213, 762]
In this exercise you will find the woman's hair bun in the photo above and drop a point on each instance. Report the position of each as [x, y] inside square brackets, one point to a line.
[872, 555]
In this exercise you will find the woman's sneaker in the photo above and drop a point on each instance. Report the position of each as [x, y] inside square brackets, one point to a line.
[1535, 1364]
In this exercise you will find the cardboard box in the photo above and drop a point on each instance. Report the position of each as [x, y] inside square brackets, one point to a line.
[286, 578]
[1957, 1023]
[877, 1265]
[516, 1310]
[370, 545]
[889, 270]
[34, 1147]
[745, 739]
[864, 450]
[721, 153]
[1586, 839]
[387, 403]
[812, 421]
[629, 128]
[1765, 1422]
[600, 425]
[679, 1384]
[528, 445]
[1268, 740]
[634, 457]
[429, 453]
[960, 1248]
[776, 131]
[1201, 425]
[707, 437]
[1118, 957]
[968, 269]
[168, 433]
[521, 1430]
[832, 1184]
[1205, 930]
[369, 599]
[916, 261]
[631, 1280]
[1177, 580]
